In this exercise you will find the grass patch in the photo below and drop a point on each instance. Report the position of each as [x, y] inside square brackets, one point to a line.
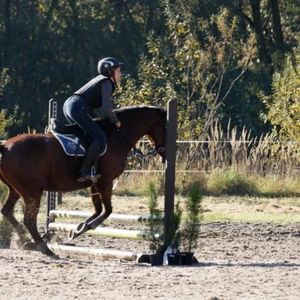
[136, 184]
[215, 209]
[277, 186]
[230, 182]
[260, 217]
[251, 209]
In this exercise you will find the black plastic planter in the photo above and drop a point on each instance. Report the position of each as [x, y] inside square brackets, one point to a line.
[187, 258]
[174, 259]
[5, 243]
[156, 259]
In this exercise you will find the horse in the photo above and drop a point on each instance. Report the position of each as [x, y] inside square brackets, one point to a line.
[33, 163]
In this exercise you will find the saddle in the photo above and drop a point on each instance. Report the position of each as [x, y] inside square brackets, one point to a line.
[71, 137]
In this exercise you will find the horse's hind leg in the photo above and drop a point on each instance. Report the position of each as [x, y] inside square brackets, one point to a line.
[8, 209]
[32, 205]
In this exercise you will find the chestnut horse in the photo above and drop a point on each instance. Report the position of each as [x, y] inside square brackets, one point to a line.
[33, 163]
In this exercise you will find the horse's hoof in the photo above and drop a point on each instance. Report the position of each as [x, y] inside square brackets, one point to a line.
[22, 242]
[31, 246]
[82, 228]
[72, 235]
[42, 247]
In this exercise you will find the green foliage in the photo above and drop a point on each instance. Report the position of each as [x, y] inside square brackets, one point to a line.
[3, 191]
[193, 208]
[284, 103]
[231, 182]
[6, 229]
[154, 214]
[8, 120]
[175, 234]
[4, 80]
[4, 121]
[82, 32]
[195, 53]
[180, 66]
[278, 186]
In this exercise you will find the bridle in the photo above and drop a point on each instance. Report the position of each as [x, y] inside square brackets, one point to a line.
[138, 152]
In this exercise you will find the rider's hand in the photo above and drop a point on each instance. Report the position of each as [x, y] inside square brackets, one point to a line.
[118, 124]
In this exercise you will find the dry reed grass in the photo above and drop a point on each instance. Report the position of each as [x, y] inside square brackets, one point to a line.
[262, 161]
[269, 164]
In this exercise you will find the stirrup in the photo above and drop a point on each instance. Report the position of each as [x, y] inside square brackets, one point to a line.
[94, 176]
[86, 177]
[89, 176]
[83, 177]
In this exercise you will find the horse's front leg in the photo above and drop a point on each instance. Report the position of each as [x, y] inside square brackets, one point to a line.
[85, 226]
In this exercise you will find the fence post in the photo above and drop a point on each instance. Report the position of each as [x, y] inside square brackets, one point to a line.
[51, 196]
[52, 110]
[170, 163]
[53, 114]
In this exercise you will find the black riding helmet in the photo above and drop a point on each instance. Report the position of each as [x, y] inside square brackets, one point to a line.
[107, 66]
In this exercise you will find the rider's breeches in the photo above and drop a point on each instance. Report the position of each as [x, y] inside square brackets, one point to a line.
[76, 110]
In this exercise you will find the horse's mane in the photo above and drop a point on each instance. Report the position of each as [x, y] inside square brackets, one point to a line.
[128, 109]
[124, 112]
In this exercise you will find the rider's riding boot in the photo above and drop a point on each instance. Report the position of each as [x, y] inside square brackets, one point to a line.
[85, 170]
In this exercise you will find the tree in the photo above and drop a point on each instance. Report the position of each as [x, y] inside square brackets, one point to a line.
[6, 120]
[284, 103]
[197, 63]
[264, 54]
[51, 48]
[264, 19]
[276, 20]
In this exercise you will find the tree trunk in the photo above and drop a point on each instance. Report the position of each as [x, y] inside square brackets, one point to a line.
[76, 38]
[8, 33]
[277, 24]
[261, 41]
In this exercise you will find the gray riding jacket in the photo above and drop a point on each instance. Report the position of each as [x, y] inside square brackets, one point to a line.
[98, 94]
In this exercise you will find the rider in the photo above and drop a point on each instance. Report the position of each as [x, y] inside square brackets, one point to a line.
[78, 108]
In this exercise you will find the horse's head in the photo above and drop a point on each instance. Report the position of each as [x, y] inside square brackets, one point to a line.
[141, 120]
[157, 134]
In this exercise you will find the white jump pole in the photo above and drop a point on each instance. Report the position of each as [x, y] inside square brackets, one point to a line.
[113, 217]
[104, 253]
[107, 232]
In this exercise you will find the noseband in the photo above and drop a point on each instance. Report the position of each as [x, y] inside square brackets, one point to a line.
[152, 152]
